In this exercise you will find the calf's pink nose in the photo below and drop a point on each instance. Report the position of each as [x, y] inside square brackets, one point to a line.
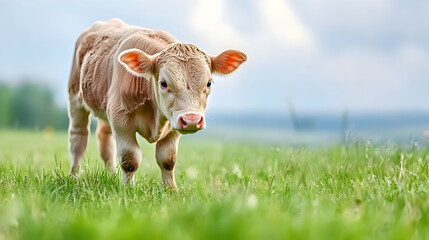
[191, 122]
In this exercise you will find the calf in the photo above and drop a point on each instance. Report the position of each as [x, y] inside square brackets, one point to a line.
[137, 80]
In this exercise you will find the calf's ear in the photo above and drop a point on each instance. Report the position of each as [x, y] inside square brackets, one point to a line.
[228, 61]
[137, 62]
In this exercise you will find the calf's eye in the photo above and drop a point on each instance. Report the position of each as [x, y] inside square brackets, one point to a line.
[163, 84]
[209, 84]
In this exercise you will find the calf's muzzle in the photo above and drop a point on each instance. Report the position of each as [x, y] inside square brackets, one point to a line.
[190, 123]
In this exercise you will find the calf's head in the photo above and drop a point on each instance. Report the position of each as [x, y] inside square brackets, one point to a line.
[183, 79]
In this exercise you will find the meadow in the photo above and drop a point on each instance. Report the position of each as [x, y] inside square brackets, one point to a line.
[227, 190]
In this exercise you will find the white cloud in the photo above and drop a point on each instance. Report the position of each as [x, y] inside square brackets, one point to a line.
[374, 80]
[412, 56]
[207, 20]
[362, 75]
[284, 25]
[277, 26]
[359, 15]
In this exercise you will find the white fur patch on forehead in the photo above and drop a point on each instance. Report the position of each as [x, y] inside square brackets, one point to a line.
[198, 72]
[185, 65]
[182, 52]
[175, 72]
[192, 74]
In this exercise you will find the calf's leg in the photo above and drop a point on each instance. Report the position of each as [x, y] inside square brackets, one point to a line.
[78, 133]
[166, 150]
[129, 154]
[106, 145]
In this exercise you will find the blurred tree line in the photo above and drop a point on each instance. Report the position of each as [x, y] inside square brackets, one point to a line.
[30, 106]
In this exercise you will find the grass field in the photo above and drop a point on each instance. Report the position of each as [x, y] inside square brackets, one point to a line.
[226, 191]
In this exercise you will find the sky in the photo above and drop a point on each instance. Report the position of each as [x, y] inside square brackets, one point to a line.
[321, 56]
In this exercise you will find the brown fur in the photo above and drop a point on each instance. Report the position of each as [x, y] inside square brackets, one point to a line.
[106, 144]
[169, 163]
[129, 163]
[182, 52]
[95, 60]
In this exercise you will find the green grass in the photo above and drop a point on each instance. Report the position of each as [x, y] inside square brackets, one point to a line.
[226, 191]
